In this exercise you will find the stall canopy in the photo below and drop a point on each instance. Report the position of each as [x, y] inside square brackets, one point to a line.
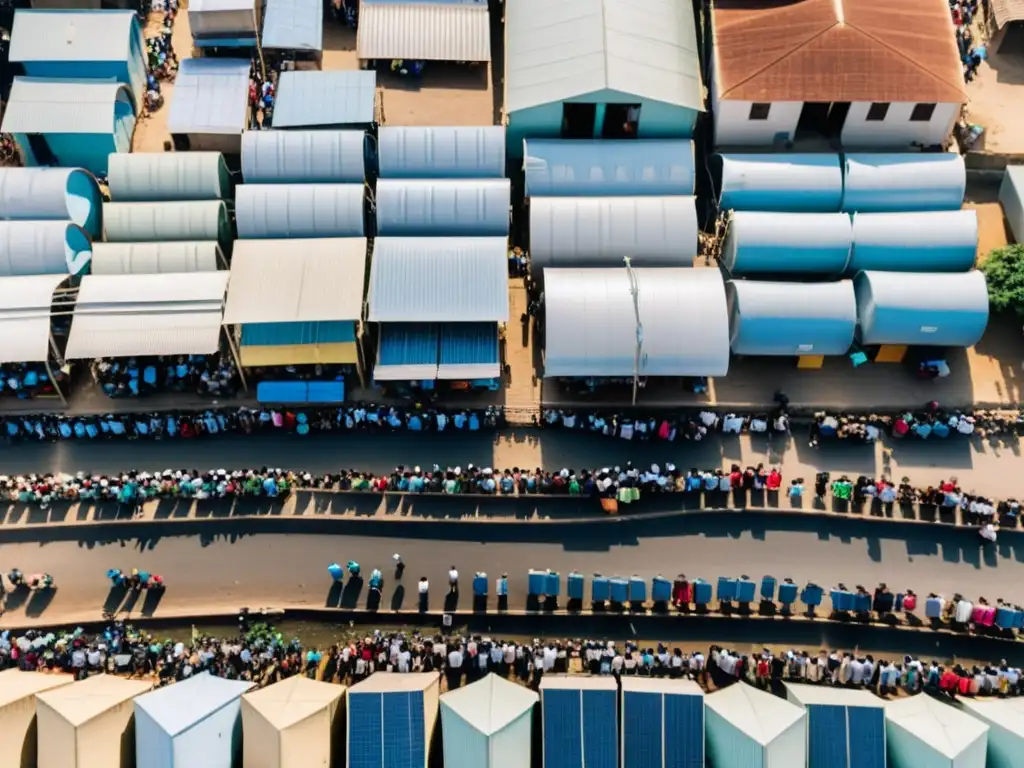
[25, 306]
[845, 728]
[662, 723]
[156, 258]
[226, 23]
[768, 318]
[600, 231]
[407, 352]
[211, 96]
[59, 194]
[144, 177]
[591, 323]
[292, 297]
[488, 723]
[878, 183]
[933, 241]
[783, 183]
[307, 157]
[439, 280]
[925, 309]
[787, 243]
[580, 721]
[43, 248]
[469, 351]
[608, 167]
[196, 721]
[1005, 719]
[299, 210]
[126, 315]
[748, 727]
[441, 152]
[391, 719]
[18, 691]
[314, 99]
[922, 731]
[441, 30]
[1011, 196]
[159, 222]
[294, 723]
[293, 25]
[443, 208]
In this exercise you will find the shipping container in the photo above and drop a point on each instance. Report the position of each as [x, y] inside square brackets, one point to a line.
[662, 723]
[845, 727]
[580, 721]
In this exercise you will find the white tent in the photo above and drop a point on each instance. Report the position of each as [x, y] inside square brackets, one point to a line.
[744, 726]
[488, 723]
[295, 723]
[925, 733]
[18, 712]
[1005, 719]
[88, 723]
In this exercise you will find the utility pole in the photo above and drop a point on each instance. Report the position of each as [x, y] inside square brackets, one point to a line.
[634, 290]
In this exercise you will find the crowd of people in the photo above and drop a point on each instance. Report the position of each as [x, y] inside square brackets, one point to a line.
[26, 381]
[208, 375]
[161, 59]
[972, 54]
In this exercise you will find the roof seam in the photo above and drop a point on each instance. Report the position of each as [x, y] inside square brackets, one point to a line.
[960, 87]
[779, 59]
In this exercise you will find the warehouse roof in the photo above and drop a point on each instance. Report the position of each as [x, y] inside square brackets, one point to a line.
[299, 210]
[210, 96]
[426, 31]
[441, 152]
[308, 98]
[25, 306]
[490, 704]
[443, 207]
[65, 35]
[167, 176]
[296, 25]
[166, 257]
[45, 105]
[289, 157]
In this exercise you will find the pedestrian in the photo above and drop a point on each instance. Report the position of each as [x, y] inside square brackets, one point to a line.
[453, 581]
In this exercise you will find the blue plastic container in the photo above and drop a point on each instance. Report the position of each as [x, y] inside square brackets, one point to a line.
[574, 585]
[768, 588]
[701, 592]
[1004, 617]
[745, 590]
[862, 603]
[661, 589]
[600, 589]
[480, 584]
[637, 590]
[812, 595]
[932, 608]
[787, 593]
[1018, 620]
[726, 589]
[537, 582]
[841, 601]
[619, 589]
[553, 585]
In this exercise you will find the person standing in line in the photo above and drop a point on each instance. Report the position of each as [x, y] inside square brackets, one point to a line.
[453, 581]
[454, 669]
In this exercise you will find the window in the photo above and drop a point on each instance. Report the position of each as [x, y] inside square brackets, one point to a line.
[760, 111]
[922, 113]
[878, 111]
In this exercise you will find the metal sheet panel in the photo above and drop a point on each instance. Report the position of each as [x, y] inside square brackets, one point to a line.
[45, 35]
[827, 737]
[296, 25]
[1011, 196]
[167, 176]
[407, 352]
[25, 304]
[600, 231]
[222, 18]
[866, 729]
[784, 183]
[299, 210]
[308, 157]
[562, 712]
[684, 730]
[469, 351]
[643, 730]
[311, 98]
[424, 31]
[878, 183]
[156, 258]
[155, 222]
[43, 248]
[36, 194]
[211, 96]
[42, 105]
[600, 729]
[441, 152]
[564, 167]
[781, 243]
[298, 333]
[936, 241]
[446, 208]
[365, 730]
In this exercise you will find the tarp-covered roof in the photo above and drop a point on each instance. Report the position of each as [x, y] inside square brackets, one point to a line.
[443, 208]
[429, 31]
[25, 306]
[80, 702]
[944, 728]
[211, 96]
[35, 194]
[155, 222]
[176, 708]
[932, 241]
[311, 98]
[139, 177]
[45, 105]
[156, 258]
[308, 157]
[910, 181]
[64, 35]
[295, 25]
[299, 210]
[491, 703]
[759, 715]
[441, 152]
[591, 322]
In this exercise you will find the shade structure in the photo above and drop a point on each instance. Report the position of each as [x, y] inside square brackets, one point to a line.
[758, 243]
[443, 207]
[921, 308]
[88, 723]
[768, 318]
[43, 248]
[488, 724]
[468, 351]
[436, 31]
[407, 352]
[299, 210]
[60, 194]
[662, 723]
[441, 152]
[156, 222]
[933, 241]
[845, 728]
[25, 306]
[878, 183]
[783, 183]
[1005, 720]
[211, 101]
[437, 280]
[293, 25]
[127, 315]
[591, 323]
[744, 727]
[142, 177]
[308, 157]
[925, 733]
[580, 721]
[606, 168]
[228, 22]
[1011, 196]
[197, 721]
[391, 720]
[18, 714]
[601, 231]
[156, 258]
[315, 99]
[299, 343]
[296, 723]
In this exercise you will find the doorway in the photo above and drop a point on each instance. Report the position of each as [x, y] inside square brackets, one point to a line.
[621, 121]
[578, 121]
[814, 118]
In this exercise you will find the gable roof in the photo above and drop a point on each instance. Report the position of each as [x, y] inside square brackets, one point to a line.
[80, 702]
[490, 704]
[837, 50]
[179, 707]
[761, 716]
[292, 700]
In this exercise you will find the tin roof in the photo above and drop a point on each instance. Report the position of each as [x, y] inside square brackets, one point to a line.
[837, 50]
[61, 35]
[296, 25]
[307, 98]
[42, 105]
[210, 96]
[426, 31]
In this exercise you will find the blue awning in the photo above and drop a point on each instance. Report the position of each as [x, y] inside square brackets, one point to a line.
[407, 352]
[294, 25]
[469, 351]
[282, 334]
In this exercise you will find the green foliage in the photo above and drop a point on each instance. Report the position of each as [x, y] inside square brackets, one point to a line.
[1004, 271]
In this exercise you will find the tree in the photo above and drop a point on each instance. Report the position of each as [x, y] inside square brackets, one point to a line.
[1004, 271]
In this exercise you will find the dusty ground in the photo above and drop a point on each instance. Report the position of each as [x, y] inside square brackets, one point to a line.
[997, 103]
[151, 131]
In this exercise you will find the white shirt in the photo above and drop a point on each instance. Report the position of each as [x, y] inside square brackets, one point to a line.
[549, 659]
[424, 586]
[455, 659]
[856, 672]
[453, 576]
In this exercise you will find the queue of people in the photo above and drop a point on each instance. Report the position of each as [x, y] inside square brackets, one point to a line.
[161, 57]
[972, 54]
[207, 375]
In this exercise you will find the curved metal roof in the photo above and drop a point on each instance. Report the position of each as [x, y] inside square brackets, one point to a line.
[443, 208]
[43, 248]
[25, 306]
[309, 157]
[784, 182]
[441, 152]
[299, 210]
[156, 258]
[156, 222]
[933, 241]
[139, 177]
[913, 181]
[778, 243]
[34, 194]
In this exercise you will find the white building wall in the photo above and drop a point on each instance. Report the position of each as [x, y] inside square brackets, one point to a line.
[511, 746]
[897, 130]
[789, 748]
[734, 128]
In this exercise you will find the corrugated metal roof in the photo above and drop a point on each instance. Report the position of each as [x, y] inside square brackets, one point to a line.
[437, 280]
[25, 305]
[299, 210]
[784, 183]
[877, 183]
[289, 157]
[645, 48]
[210, 96]
[1011, 197]
[493, 702]
[922, 309]
[44, 105]
[222, 18]
[166, 176]
[443, 208]
[35, 194]
[43, 247]
[296, 25]
[424, 31]
[282, 281]
[787, 243]
[156, 222]
[569, 167]
[156, 258]
[469, 351]
[936, 241]
[441, 152]
[591, 328]
[407, 352]
[945, 729]
[127, 315]
[600, 231]
[791, 319]
[310, 98]
[302, 333]
[62, 35]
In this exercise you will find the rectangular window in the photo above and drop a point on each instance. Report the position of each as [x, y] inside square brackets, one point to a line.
[878, 111]
[922, 113]
[760, 111]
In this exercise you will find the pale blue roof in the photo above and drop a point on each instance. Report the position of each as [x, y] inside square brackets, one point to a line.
[176, 708]
[295, 25]
[307, 99]
[911, 181]
[443, 208]
[441, 152]
[916, 241]
[784, 182]
[72, 35]
[210, 96]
